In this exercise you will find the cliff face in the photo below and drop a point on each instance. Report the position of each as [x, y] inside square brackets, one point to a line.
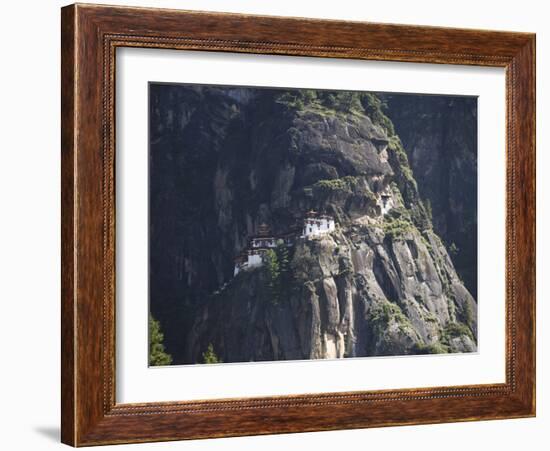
[439, 134]
[223, 162]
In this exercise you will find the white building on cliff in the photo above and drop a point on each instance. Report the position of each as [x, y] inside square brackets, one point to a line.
[252, 257]
[385, 202]
[248, 260]
[315, 225]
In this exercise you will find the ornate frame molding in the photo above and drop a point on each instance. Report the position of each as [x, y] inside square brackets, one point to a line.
[90, 36]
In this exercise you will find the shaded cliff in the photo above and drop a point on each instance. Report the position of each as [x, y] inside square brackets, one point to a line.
[439, 134]
[223, 161]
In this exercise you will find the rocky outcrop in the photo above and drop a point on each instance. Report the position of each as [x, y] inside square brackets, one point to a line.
[382, 283]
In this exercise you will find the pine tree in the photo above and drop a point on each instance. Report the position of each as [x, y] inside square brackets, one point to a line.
[157, 354]
[330, 101]
[209, 356]
[348, 101]
[273, 272]
[309, 95]
[282, 257]
[285, 274]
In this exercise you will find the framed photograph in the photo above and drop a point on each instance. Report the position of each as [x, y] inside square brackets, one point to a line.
[279, 225]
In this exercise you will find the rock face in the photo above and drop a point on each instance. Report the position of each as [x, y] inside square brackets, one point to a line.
[225, 161]
[439, 134]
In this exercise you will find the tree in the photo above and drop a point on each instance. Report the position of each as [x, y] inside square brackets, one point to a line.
[330, 101]
[272, 269]
[157, 354]
[285, 279]
[282, 258]
[453, 249]
[428, 206]
[348, 101]
[209, 356]
[309, 95]
[374, 109]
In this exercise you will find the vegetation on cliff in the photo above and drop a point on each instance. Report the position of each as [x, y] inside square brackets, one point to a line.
[157, 354]
[209, 356]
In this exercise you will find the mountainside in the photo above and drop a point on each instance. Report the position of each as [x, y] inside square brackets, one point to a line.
[439, 134]
[225, 161]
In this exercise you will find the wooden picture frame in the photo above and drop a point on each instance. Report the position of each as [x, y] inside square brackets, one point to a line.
[90, 36]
